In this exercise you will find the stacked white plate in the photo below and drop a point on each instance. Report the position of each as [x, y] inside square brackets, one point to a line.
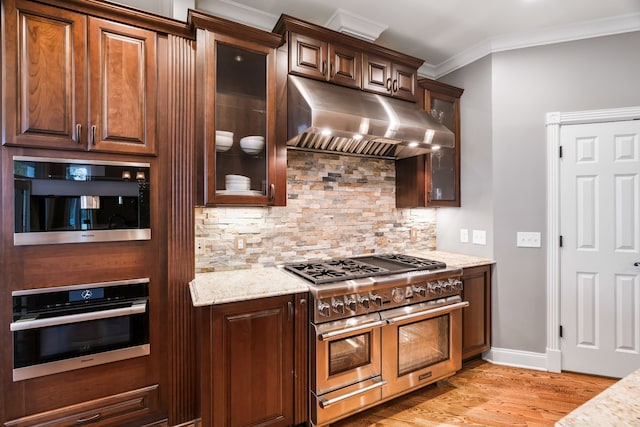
[237, 183]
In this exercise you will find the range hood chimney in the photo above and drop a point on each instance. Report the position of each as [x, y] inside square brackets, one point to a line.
[327, 117]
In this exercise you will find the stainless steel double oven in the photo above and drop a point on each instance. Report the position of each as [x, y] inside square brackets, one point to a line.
[378, 336]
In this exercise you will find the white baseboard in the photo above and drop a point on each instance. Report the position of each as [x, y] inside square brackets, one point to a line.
[517, 358]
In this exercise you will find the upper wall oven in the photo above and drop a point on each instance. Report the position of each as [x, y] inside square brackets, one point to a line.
[75, 201]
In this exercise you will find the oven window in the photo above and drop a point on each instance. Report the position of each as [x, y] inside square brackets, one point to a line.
[422, 344]
[349, 353]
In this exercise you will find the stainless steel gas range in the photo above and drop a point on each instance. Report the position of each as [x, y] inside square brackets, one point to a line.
[380, 326]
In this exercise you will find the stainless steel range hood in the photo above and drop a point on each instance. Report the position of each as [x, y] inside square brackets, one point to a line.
[327, 117]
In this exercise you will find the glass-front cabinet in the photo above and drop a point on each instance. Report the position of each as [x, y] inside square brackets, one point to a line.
[236, 148]
[443, 166]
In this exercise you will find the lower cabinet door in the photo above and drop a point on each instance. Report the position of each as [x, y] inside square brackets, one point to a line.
[251, 361]
[133, 408]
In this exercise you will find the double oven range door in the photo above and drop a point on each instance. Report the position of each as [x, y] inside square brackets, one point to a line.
[421, 343]
[345, 367]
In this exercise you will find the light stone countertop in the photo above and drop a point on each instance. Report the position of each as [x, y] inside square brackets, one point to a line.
[220, 287]
[618, 405]
[240, 285]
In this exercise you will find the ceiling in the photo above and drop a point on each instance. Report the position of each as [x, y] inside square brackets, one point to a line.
[447, 34]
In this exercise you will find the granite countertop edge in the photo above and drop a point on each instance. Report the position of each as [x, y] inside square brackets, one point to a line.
[221, 287]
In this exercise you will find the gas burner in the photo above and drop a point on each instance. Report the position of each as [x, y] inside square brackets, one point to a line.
[356, 267]
[419, 263]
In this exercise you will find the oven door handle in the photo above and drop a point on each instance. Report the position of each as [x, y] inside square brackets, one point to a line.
[324, 403]
[348, 331]
[438, 310]
[23, 325]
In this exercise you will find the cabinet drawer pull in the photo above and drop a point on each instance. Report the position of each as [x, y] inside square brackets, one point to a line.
[88, 419]
[93, 135]
[79, 133]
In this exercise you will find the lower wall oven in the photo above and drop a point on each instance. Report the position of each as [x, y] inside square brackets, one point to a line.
[70, 327]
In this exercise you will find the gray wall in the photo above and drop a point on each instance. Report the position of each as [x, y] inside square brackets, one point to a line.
[504, 163]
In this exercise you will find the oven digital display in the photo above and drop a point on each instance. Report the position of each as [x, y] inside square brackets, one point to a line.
[86, 294]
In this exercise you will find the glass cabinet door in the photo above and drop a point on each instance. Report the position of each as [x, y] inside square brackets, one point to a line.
[241, 132]
[443, 161]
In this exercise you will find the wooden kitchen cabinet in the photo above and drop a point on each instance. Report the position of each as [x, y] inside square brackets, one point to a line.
[476, 318]
[236, 77]
[386, 77]
[253, 362]
[319, 59]
[79, 82]
[124, 409]
[433, 179]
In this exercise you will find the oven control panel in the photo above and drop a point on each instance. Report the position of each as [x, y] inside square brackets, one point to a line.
[348, 304]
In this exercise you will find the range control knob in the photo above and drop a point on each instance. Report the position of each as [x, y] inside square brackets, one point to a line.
[338, 306]
[397, 295]
[350, 302]
[324, 309]
[436, 287]
[376, 299]
[458, 284]
[364, 302]
[420, 290]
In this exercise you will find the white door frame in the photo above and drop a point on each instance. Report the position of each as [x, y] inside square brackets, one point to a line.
[554, 123]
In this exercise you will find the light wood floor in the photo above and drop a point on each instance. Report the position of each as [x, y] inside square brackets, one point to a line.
[483, 394]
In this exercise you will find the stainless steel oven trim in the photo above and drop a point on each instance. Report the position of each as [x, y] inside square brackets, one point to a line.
[325, 403]
[79, 286]
[427, 313]
[65, 365]
[349, 331]
[81, 161]
[321, 381]
[57, 237]
[23, 325]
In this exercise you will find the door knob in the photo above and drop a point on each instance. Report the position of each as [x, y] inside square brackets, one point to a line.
[636, 264]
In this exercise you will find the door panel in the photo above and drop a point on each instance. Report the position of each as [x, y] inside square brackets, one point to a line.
[600, 225]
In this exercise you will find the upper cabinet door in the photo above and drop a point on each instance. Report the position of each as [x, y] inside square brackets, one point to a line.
[46, 71]
[122, 85]
[236, 134]
[321, 60]
[388, 78]
[80, 83]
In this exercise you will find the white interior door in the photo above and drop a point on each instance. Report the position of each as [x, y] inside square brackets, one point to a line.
[600, 226]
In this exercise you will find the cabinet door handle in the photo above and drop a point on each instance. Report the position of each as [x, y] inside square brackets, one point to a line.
[332, 70]
[93, 135]
[324, 68]
[272, 192]
[395, 86]
[88, 419]
[79, 133]
[289, 310]
[389, 84]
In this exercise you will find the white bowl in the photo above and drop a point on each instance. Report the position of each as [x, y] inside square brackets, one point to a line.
[224, 140]
[252, 144]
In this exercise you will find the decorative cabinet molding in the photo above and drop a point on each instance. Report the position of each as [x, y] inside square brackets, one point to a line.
[81, 83]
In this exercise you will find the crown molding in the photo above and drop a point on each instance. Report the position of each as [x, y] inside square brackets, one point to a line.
[237, 12]
[347, 22]
[550, 35]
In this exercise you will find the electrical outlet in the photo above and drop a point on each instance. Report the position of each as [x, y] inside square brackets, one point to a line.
[199, 246]
[464, 235]
[413, 234]
[241, 244]
[479, 237]
[527, 239]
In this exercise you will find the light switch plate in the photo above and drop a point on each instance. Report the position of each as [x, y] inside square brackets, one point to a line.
[479, 237]
[464, 235]
[528, 239]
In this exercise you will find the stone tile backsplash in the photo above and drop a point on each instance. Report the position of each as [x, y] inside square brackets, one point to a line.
[336, 206]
